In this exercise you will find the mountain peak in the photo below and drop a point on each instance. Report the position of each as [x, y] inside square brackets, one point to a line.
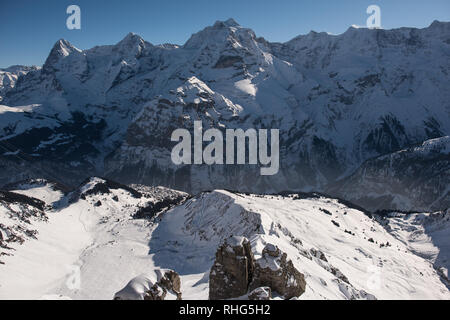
[219, 33]
[436, 24]
[132, 36]
[226, 24]
[131, 39]
[62, 48]
[132, 46]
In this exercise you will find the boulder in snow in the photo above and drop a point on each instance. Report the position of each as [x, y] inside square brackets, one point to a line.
[162, 285]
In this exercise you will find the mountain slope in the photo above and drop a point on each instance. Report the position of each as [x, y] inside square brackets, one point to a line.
[337, 100]
[9, 77]
[360, 256]
[18, 214]
[425, 234]
[76, 225]
[413, 179]
[90, 250]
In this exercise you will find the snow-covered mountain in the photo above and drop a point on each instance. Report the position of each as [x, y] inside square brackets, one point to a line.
[92, 243]
[9, 76]
[338, 101]
[415, 178]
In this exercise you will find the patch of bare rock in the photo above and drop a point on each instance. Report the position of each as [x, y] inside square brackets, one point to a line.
[237, 274]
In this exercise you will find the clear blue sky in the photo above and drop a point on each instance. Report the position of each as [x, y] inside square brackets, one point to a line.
[29, 28]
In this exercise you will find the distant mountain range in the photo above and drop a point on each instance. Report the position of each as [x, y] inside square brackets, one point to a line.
[364, 115]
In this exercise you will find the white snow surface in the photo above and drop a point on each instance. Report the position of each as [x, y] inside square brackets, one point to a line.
[109, 248]
[45, 192]
[425, 234]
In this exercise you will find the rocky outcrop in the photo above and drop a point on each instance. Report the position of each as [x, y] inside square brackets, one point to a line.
[162, 285]
[235, 273]
[233, 269]
[276, 271]
[18, 214]
[169, 283]
[352, 293]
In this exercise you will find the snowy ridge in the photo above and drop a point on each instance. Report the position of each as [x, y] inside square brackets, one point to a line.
[18, 213]
[336, 257]
[343, 253]
[42, 189]
[52, 240]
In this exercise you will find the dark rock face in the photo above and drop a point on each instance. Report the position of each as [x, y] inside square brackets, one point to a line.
[276, 271]
[11, 197]
[106, 186]
[318, 254]
[232, 270]
[414, 179]
[235, 273]
[156, 293]
[169, 282]
[152, 209]
[228, 61]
